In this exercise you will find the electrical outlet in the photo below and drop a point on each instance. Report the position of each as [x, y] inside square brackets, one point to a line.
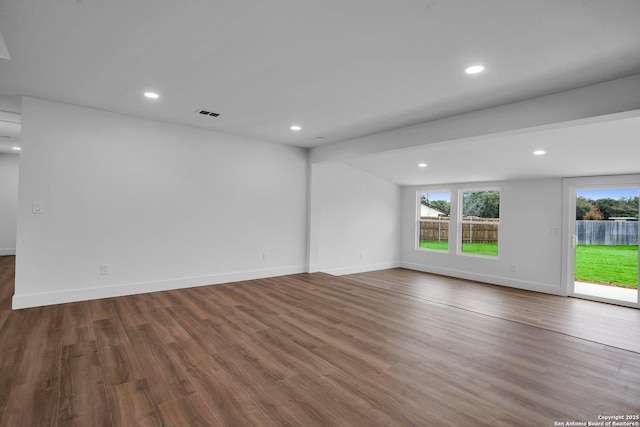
[104, 269]
[555, 231]
[514, 268]
[265, 257]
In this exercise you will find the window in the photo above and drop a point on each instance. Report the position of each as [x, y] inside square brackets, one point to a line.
[480, 221]
[433, 220]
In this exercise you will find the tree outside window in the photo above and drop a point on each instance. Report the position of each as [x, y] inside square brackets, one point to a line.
[480, 222]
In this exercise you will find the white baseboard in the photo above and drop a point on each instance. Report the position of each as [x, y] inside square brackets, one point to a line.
[313, 268]
[360, 268]
[485, 278]
[7, 251]
[73, 295]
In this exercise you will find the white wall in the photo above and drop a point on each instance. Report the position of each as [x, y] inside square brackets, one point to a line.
[529, 237]
[165, 206]
[355, 220]
[8, 202]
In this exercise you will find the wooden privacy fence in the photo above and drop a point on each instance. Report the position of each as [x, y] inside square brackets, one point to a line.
[607, 232]
[437, 228]
[482, 230]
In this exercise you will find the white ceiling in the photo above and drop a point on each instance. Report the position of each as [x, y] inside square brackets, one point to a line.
[340, 69]
[586, 148]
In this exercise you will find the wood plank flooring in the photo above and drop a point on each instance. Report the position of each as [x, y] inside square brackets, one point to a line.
[312, 350]
[608, 324]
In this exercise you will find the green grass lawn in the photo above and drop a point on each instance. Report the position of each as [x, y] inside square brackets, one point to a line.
[616, 265]
[489, 249]
[434, 244]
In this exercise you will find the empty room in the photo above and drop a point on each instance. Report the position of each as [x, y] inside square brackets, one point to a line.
[306, 213]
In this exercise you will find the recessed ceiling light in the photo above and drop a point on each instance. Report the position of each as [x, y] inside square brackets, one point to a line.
[539, 152]
[296, 128]
[151, 95]
[16, 148]
[422, 165]
[474, 69]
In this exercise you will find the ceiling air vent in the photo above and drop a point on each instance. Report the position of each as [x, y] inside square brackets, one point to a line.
[208, 113]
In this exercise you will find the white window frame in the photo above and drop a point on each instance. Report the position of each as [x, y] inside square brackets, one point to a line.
[419, 221]
[460, 221]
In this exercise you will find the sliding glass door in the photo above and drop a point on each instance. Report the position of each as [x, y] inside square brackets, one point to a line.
[602, 231]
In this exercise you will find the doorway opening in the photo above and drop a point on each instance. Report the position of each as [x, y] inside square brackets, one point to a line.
[10, 147]
[603, 254]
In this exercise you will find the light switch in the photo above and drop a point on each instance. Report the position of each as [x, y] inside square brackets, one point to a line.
[37, 207]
